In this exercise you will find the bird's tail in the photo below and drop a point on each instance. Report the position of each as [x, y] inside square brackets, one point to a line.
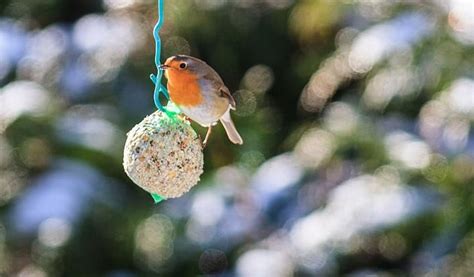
[230, 129]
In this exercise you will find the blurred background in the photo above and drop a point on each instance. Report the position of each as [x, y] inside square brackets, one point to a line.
[358, 157]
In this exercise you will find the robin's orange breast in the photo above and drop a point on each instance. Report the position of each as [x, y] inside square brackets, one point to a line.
[184, 88]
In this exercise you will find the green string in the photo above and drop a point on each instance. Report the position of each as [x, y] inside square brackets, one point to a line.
[156, 79]
[157, 198]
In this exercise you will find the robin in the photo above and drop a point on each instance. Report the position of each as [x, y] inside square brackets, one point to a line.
[200, 94]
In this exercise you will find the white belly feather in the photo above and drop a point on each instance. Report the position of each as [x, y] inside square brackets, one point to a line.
[209, 111]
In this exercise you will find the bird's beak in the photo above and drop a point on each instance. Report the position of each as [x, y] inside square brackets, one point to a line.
[164, 66]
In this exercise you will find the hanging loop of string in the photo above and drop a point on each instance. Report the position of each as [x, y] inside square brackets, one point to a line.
[156, 79]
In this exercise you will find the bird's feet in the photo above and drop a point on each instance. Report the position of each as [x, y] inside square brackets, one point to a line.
[184, 117]
[208, 134]
[203, 142]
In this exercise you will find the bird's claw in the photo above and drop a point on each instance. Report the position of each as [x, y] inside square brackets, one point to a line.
[208, 134]
[184, 117]
[203, 142]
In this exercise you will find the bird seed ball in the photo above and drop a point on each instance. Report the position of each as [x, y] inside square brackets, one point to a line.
[163, 155]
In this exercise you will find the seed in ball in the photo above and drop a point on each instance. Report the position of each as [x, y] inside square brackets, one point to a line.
[163, 155]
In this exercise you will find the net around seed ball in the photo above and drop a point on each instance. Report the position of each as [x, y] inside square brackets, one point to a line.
[163, 155]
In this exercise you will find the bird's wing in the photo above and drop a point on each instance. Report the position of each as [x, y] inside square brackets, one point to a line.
[224, 92]
[219, 87]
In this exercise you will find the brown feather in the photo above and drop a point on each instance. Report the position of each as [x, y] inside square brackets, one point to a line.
[226, 93]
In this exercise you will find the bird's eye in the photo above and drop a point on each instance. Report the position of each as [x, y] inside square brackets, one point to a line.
[183, 65]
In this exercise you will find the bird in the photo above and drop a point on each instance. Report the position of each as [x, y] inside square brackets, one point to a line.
[199, 92]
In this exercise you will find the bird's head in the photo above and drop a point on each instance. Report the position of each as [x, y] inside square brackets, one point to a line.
[182, 65]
